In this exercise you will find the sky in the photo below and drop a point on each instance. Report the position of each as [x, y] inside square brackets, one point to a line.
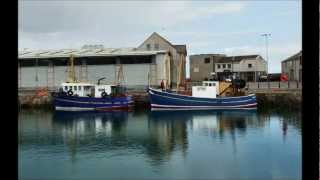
[219, 27]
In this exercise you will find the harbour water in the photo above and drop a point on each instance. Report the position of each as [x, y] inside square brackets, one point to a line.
[160, 145]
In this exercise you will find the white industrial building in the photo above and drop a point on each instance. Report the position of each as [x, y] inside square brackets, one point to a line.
[141, 66]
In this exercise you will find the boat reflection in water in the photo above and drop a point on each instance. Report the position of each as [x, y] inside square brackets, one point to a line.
[157, 135]
[157, 143]
[213, 123]
[112, 131]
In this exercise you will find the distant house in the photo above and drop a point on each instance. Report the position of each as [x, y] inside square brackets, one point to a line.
[292, 67]
[248, 67]
[178, 54]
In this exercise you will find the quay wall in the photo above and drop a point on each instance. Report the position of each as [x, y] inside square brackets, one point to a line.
[279, 98]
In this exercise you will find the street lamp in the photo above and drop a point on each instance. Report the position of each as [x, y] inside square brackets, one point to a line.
[267, 56]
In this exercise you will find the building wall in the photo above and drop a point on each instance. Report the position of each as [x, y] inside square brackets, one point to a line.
[134, 74]
[257, 65]
[199, 69]
[243, 66]
[293, 68]
[154, 41]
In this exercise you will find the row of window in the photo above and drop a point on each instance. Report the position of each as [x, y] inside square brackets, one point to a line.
[74, 88]
[223, 66]
[210, 84]
[229, 66]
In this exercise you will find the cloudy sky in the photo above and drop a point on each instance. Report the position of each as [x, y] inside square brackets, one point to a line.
[228, 27]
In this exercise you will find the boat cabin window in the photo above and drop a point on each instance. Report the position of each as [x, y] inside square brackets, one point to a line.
[66, 88]
[79, 87]
[70, 87]
[101, 90]
[75, 88]
[209, 84]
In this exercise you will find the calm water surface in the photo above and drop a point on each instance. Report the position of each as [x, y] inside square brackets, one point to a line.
[165, 145]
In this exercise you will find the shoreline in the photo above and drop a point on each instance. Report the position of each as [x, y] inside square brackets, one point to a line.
[291, 100]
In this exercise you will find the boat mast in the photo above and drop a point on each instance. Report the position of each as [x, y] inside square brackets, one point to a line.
[72, 73]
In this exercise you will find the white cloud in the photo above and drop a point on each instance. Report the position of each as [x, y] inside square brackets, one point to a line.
[281, 50]
[60, 16]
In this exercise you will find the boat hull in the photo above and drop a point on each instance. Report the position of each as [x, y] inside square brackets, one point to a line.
[73, 103]
[169, 101]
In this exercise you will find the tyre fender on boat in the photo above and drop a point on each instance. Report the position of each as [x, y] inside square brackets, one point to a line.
[104, 94]
[70, 92]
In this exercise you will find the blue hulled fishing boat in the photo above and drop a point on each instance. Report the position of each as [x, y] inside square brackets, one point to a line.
[210, 95]
[82, 96]
[75, 98]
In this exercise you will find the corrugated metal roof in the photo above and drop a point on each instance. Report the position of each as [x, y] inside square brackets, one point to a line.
[293, 56]
[30, 54]
[228, 59]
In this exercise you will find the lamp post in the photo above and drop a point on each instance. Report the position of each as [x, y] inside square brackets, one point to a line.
[267, 55]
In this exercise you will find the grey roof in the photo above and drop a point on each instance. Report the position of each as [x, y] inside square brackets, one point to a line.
[207, 55]
[28, 54]
[293, 56]
[236, 58]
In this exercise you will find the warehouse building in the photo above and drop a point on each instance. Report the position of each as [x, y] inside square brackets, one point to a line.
[249, 67]
[292, 67]
[135, 67]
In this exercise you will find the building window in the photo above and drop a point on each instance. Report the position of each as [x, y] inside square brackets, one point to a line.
[223, 66]
[156, 46]
[219, 66]
[196, 69]
[206, 60]
[229, 65]
[148, 46]
[249, 65]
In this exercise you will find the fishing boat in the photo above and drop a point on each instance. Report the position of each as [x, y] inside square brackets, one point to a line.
[209, 95]
[74, 95]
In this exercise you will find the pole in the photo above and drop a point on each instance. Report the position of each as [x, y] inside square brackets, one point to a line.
[267, 56]
[232, 67]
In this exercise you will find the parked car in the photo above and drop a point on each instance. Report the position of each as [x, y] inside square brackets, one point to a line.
[263, 78]
[284, 77]
[274, 76]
